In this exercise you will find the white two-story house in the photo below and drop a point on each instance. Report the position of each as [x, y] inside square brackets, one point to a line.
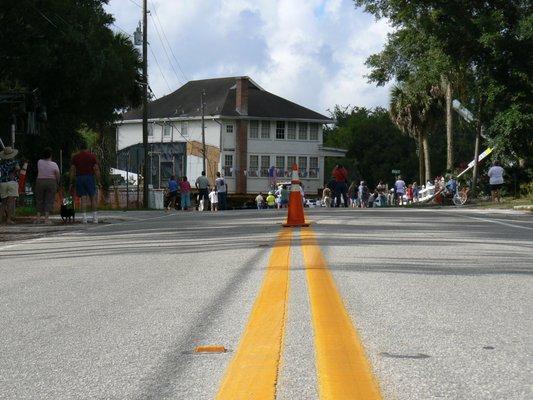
[252, 137]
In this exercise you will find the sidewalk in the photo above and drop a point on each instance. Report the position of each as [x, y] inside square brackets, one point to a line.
[25, 229]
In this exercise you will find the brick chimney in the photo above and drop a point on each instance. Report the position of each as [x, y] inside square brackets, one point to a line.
[241, 99]
[241, 138]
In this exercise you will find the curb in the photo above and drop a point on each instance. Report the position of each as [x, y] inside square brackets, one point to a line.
[524, 208]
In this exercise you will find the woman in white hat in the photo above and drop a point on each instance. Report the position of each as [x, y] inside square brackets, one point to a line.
[9, 187]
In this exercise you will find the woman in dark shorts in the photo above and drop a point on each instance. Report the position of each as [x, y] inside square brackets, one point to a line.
[496, 181]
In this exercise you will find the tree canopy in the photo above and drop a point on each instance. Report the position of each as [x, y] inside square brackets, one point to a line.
[485, 48]
[375, 145]
[83, 71]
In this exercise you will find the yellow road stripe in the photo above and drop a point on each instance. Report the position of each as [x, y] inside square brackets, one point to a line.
[343, 370]
[253, 372]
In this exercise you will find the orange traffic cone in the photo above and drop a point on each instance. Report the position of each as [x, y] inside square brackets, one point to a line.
[295, 216]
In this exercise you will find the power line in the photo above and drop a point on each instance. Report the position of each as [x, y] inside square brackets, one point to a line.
[137, 4]
[122, 30]
[164, 48]
[168, 44]
[159, 67]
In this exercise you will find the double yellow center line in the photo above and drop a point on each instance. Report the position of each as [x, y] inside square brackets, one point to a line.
[342, 367]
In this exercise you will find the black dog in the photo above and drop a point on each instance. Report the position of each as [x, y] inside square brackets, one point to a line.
[68, 213]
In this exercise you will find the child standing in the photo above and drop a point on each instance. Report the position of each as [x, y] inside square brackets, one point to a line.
[259, 201]
[213, 199]
[409, 194]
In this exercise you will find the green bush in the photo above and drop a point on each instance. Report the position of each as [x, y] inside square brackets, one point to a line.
[25, 211]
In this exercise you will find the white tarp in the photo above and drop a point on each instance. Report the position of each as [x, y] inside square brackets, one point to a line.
[132, 177]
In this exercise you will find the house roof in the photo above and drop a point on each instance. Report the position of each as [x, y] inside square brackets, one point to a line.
[220, 100]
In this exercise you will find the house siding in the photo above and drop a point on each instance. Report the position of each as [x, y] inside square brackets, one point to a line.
[237, 146]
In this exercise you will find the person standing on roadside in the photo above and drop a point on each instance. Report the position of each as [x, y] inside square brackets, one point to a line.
[283, 197]
[222, 190]
[46, 185]
[9, 187]
[172, 195]
[341, 176]
[185, 191]
[271, 200]
[259, 200]
[202, 184]
[364, 194]
[416, 191]
[85, 174]
[213, 199]
[496, 181]
[399, 189]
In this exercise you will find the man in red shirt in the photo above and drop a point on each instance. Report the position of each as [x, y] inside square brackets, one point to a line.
[85, 173]
[341, 177]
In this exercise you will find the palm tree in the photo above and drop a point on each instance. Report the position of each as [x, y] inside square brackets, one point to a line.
[403, 114]
[417, 111]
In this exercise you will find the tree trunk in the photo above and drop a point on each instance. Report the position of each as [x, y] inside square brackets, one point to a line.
[420, 161]
[427, 161]
[449, 127]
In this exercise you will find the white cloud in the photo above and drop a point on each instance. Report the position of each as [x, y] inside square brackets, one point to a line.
[308, 51]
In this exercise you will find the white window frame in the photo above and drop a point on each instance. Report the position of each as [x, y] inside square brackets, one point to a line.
[228, 168]
[263, 168]
[184, 128]
[167, 130]
[151, 129]
[292, 130]
[312, 132]
[265, 133]
[281, 131]
[289, 164]
[313, 168]
[256, 128]
[229, 128]
[253, 171]
[280, 170]
[300, 131]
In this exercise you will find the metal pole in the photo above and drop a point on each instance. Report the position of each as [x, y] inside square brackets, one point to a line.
[203, 130]
[479, 132]
[145, 104]
[128, 182]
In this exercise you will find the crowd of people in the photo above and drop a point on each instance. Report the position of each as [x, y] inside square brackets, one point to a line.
[339, 192]
[210, 197]
[85, 178]
[278, 198]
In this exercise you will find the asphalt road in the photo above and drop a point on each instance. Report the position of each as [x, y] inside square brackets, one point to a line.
[441, 299]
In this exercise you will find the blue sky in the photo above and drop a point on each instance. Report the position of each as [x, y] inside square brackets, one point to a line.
[309, 51]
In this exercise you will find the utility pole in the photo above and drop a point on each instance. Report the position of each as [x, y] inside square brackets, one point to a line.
[475, 173]
[145, 104]
[203, 130]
